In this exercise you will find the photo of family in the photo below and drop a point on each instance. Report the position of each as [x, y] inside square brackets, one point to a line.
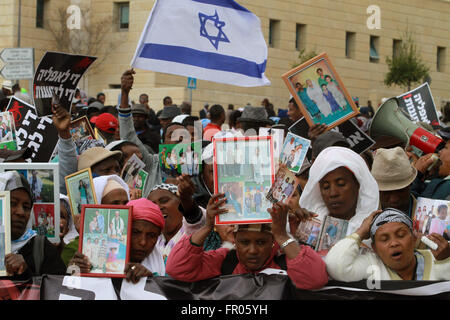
[80, 190]
[131, 169]
[432, 216]
[7, 131]
[283, 187]
[81, 130]
[308, 232]
[176, 159]
[319, 92]
[44, 219]
[294, 152]
[105, 238]
[243, 170]
[44, 191]
[5, 237]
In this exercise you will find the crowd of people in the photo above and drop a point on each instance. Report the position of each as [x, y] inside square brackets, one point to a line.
[173, 229]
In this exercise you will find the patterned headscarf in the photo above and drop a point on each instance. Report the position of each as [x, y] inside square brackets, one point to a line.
[387, 216]
[166, 186]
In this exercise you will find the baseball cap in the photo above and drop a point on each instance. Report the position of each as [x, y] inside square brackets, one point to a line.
[106, 122]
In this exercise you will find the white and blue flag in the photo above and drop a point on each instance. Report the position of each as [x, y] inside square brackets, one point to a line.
[214, 40]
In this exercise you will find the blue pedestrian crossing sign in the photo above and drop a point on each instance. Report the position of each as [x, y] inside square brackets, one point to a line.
[192, 83]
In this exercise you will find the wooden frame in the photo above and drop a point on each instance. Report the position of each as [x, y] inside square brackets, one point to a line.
[331, 105]
[240, 182]
[5, 229]
[78, 176]
[113, 240]
[25, 168]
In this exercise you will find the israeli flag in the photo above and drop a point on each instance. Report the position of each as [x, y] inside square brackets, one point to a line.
[214, 40]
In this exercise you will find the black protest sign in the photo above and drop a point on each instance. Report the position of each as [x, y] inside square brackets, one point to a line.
[356, 138]
[58, 73]
[419, 105]
[33, 132]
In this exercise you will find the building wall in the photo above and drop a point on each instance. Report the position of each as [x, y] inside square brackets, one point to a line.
[326, 24]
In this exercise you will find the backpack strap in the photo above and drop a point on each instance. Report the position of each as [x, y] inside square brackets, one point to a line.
[38, 253]
[230, 263]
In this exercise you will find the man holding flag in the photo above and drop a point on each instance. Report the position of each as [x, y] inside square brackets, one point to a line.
[214, 40]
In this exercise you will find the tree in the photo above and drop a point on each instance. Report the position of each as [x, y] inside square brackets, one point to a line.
[91, 38]
[304, 56]
[406, 66]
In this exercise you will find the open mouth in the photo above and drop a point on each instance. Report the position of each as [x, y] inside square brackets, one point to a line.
[396, 255]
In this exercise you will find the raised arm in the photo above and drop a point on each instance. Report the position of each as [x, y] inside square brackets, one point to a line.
[67, 154]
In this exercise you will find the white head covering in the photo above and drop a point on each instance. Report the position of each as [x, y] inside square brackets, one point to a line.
[73, 233]
[328, 160]
[100, 184]
[179, 119]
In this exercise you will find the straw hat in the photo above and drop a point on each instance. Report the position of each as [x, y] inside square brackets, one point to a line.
[392, 170]
[95, 155]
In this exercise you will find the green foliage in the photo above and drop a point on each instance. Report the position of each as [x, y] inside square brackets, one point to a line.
[304, 56]
[406, 67]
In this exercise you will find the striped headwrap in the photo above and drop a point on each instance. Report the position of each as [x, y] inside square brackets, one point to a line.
[166, 186]
[389, 215]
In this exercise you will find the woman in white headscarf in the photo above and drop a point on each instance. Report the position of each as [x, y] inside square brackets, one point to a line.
[340, 185]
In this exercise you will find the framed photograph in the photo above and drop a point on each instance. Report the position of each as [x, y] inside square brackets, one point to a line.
[432, 216]
[99, 136]
[294, 151]
[308, 232]
[43, 179]
[105, 233]
[333, 230]
[81, 130]
[80, 190]
[320, 92]
[131, 170]
[5, 230]
[244, 172]
[176, 159]
[7, 131]
[283, 187]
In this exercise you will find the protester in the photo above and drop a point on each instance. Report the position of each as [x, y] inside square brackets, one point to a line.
[101, 161]
[101, 98]
[147, 136]
[107, 124]
[186, 108]
[393, 256]
[394, 175]
[22, 263]
[256, 250]
[294, 112]
[217, 117]
[204, 112]
[167, 115]
[253, 118]
[175, 205]
[435, 188]
[340, 185]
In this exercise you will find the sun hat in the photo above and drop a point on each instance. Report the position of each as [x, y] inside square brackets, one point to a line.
[95, 155]
[254, 114]
[169, 112]
[328, 139]
[392, 170]
[139, 109]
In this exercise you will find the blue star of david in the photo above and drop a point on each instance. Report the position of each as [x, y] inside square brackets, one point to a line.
[221, 36]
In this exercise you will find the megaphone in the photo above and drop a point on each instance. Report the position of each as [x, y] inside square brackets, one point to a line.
[390, 120]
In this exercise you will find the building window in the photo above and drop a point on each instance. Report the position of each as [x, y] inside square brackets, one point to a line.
[274, 33]
[440, 59]
[374, 45]
[300, 37]
[396, 46]
[123, 15]
[40, 6]
[350, 38]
